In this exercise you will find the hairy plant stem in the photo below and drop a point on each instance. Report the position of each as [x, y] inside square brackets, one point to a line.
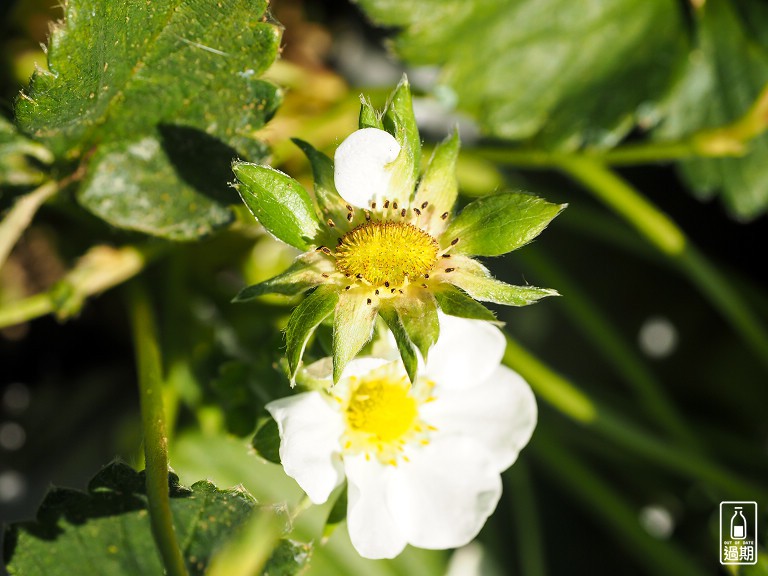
[608, 340]
[729, 140]
[100, 269]
[604, 501]
[153, 423]
[669, 239]
[568, 399]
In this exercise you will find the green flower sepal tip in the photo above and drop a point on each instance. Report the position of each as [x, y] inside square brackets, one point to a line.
[380, 238]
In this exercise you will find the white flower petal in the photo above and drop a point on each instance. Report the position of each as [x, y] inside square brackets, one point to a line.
[362, 366]
[309, 442]
[466, 352]
[372, 529]
[500, 414]
[362, 170]
[444, 495]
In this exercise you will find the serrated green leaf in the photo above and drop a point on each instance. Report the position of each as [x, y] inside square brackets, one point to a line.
[329, 203]
[404, 344]
[305, 273]
[106, 531]
[352, 328]
[123, 73]
[497, 224]
[137, 185]
[305, 318]
[719, 86]
[418, 314]
[398, 120]
[439, 186]
[279, 203]
[475, 280]
[454, 302]
[266, 442]
[559, 72]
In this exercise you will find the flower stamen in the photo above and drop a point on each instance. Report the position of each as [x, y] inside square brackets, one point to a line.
[384, 252]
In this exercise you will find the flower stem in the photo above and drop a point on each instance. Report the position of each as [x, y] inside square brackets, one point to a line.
[601, 499]
[568, 399]
[729, 140]
[609, 341]
[665, 235]
[20, 215]
[153, 424]
[526, 517]
[100, 269]
[553, 388]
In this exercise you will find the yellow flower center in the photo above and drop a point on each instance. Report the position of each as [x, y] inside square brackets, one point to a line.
[381, 413]
[386, 252]
[382, 409]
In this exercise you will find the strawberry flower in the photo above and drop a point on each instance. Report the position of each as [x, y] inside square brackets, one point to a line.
[423, 461]
[379, 238]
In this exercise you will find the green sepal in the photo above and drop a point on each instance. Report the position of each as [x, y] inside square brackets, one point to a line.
[418, 313]
[476, 281]
[305, 273]
[439, 185]
[338, 513]
[266, 441]
[279, 203]
[455, 302]
[399, 121]
[497, 224]
[329, 203]
[352, 328]
[303, 321]
[369, 117]
[404, 344]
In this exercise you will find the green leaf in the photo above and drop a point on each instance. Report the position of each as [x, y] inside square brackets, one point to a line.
[329, 203]
[279, 203]
[719, 86]
[454, 302]
[305, 318]
[476, 281]
[137, 186]
[439, 186]
[404, 344]
[305, 273]
[418, 313]
[369, 117]
[337, 514]
[288, 559]
[352, 328]
[497, 224]
[399, 121]
[239, 404]
[16, 153]
[185, 74]
[106, 531]
[558, 72]
[266, 442]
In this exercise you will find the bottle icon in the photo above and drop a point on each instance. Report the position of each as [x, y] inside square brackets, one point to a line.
[738, 525]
